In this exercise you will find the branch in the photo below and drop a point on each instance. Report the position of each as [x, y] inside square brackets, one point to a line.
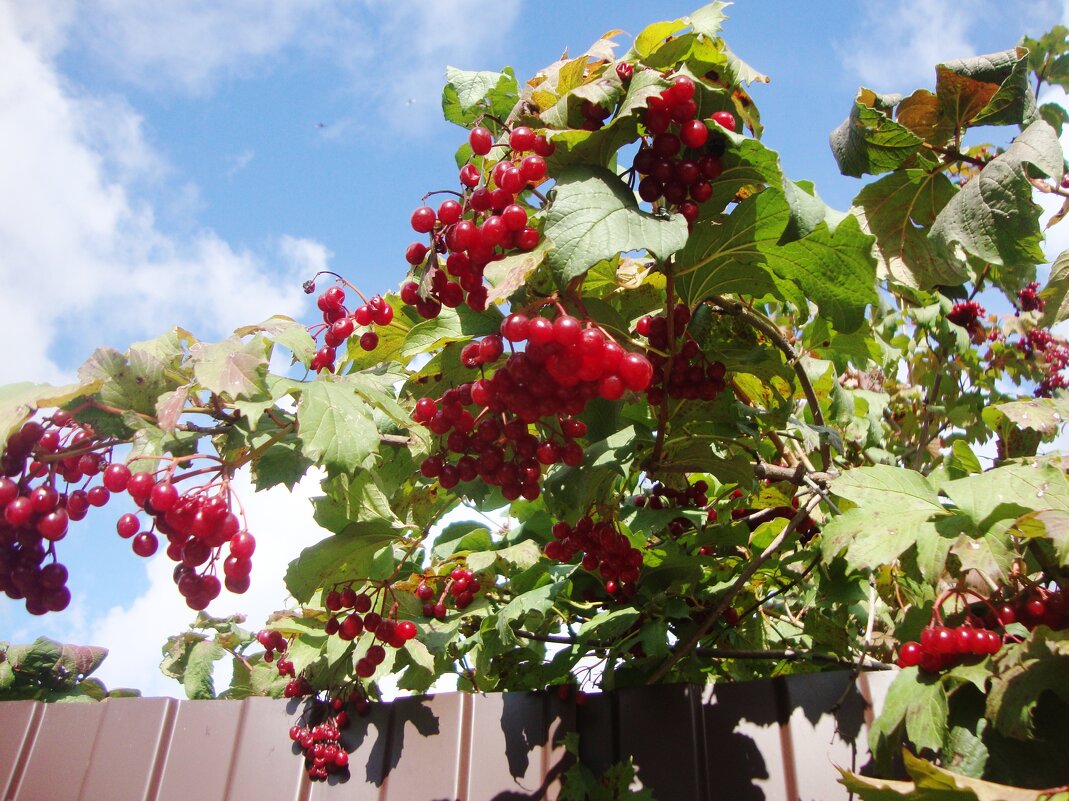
[796, 475]
[773, 332]
[735, 589]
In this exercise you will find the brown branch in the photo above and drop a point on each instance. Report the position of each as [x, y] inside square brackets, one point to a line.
[795, 475]
[956, 155]
[773, 332]
[726, 599]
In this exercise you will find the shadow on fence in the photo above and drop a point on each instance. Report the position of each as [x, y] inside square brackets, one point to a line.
[778, 739]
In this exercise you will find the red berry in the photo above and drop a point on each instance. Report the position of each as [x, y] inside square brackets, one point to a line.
[481, 140]
[910, 654]
[724, 118]
[693, 133]
[423, 220]
[521, 139]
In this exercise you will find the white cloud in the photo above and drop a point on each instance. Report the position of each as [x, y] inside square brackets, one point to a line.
[80, 256]
[135, 634]
[190, 43]
[900, 43]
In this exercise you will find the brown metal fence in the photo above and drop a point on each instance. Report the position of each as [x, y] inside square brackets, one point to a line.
[778, 739]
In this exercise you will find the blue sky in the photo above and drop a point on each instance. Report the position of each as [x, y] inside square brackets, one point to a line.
[164, 164]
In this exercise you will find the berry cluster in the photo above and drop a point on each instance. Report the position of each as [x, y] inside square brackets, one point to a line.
[1055, 356]
[969, 315]
[1028, 299]
[662, 497]
[321, 743]
[605, 551]
[943, 647]
[680, 160]
[563, 366]
[359, 618]
[483, 224]
[1036, 606]
[45, 476]
[196, 523]
[339, 324]
[691, 375]
[460, 585]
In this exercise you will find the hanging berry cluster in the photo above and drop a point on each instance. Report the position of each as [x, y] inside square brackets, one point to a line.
[969, 314]
[605, 552]
[565, 365]
[197, 523]
[352, 616]
[691, 376]
[680, 160]
[460, 586]
[318, 734]
[484, 223]
[45, 483]
[339, 324]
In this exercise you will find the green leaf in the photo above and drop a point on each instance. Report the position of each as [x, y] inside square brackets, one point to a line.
[1052, 524]
[899, 211]
[594, 216]
[834, 270]
[197, 677]
[869, 141]
[993, 217]
[336, 426]
[286, 332]
[610, 624]
[133, 381]
[344, 556]
[1056, 293]
[232, 368]
[729, 257]
[876, 536]
[893, 488]
[1008, 492]
[468, 95]
[451, 325]
[1015, 692]
[536, 603]
[1044, 415]
[931, 783]
[18, 401]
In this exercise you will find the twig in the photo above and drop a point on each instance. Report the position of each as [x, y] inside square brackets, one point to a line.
[773, 332]
[735, 589]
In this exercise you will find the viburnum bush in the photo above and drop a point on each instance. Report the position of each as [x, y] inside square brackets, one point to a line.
[699, 426]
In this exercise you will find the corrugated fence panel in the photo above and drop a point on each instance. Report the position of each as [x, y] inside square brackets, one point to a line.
[58, 760]
[18, 724]
[779, 739]
[123, 765]
[202, 746]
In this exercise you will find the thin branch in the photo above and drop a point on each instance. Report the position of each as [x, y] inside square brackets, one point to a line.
[956, 155]
[735, 589]
[796, 475]
[773, 332]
